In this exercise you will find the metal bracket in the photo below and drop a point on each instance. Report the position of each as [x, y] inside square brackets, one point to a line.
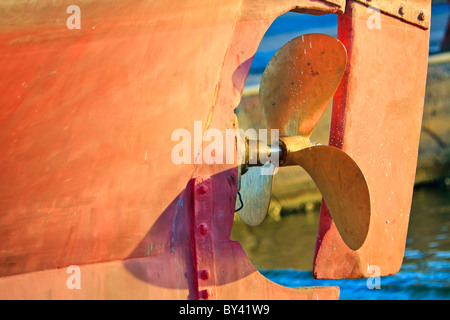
[203, 239]
[339, 3]
[416, 12]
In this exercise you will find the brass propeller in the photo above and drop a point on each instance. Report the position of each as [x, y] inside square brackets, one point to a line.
[296, 87]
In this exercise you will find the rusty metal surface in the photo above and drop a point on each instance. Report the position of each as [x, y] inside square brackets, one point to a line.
[416, 12]
[334, 6]
[339, 3]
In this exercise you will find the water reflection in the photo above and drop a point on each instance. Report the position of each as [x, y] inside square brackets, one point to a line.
[283, 252]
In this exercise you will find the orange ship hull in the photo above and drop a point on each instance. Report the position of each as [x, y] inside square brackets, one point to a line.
[86, 121]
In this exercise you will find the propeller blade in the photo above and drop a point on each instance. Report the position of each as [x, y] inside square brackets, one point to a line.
[343, 188]
[256, 190]
[300, 81]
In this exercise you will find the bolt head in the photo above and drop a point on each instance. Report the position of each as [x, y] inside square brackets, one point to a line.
[203, 189]
[204, 274]
[203, 229]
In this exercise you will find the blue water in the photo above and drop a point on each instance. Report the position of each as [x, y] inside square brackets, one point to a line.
[291, 25]
[425, 272]
[405, 285]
